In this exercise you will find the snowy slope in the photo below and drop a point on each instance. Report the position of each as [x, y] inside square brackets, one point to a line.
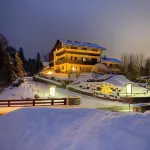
[73, 129]
[22, 92]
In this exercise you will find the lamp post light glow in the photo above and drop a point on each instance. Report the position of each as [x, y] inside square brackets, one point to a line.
[129, 88]
[52, 90]
[129, 91]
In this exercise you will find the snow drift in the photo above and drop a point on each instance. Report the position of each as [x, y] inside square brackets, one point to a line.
[73, 129]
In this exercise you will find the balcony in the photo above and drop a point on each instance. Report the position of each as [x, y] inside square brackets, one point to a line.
[58, 62]
[76, 51]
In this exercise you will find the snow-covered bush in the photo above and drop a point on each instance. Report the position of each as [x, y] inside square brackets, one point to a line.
[36, 96]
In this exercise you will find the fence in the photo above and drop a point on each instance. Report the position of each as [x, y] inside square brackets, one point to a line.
[33, 102]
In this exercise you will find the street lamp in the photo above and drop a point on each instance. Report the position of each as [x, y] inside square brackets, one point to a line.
[129, 91]
[129, 88]
[52, 90]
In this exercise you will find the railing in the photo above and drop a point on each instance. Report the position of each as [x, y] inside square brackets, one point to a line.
[33, 102]
[75, 62]
[134, 94]
[75, 51]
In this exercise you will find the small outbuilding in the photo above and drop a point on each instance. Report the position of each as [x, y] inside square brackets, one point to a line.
[141, 107]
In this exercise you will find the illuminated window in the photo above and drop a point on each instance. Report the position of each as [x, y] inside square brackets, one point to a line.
[73, 47]
[84, 59]
[73, 68]
[84, 48]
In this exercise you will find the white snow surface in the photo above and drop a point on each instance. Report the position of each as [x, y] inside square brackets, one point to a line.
[22, 92]
[73, 129]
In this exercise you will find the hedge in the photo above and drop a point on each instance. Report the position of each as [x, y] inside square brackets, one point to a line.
[74, 101]
[80, 92]
[44, 81]
[117, 108]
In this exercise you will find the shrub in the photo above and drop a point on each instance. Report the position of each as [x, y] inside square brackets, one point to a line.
[74, 101]
[48, 82]
[78, 91]
[36, 96]
[52, 78]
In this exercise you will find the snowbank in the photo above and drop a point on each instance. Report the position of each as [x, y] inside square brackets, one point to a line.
[22, 92]
[73, 129]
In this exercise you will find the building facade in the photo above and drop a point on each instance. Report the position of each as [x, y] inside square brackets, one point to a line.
[74, 56]
[114, 65]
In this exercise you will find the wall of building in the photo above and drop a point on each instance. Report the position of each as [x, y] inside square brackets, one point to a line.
[115, 67]
[74, 67]
[79, 57]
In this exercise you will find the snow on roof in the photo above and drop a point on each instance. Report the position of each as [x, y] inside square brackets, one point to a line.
[76, 43]
[73, 129]
[108, 59]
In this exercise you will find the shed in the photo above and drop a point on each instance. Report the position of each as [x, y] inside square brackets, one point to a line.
[141, 107]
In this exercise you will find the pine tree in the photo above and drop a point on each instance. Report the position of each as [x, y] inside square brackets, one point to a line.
[9, 68]
[39, 64]
[22, 57]
[19, 66]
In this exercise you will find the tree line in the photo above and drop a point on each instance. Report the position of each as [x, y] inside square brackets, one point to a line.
[13, 63]
[135, 65]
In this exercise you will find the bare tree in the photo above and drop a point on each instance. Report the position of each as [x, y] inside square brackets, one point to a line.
[125, 62]
[138, 62]
[78, 73]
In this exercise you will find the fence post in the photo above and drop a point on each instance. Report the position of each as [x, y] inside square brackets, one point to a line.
[33, 102]
[52, 102]
[66, 101]
[8, 103]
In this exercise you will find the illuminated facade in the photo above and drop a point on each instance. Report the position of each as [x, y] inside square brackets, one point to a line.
[74, 56]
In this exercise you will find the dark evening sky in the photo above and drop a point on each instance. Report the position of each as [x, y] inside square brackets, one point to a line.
[118, 25]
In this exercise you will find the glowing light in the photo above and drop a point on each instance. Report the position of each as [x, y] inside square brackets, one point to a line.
[129, 88]
[73, 68]
[49, 72]
[52, 90]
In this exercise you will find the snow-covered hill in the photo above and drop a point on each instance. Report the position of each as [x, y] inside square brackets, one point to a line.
[73, 129]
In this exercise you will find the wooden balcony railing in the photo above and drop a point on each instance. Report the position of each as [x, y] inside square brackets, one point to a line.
[58, 62]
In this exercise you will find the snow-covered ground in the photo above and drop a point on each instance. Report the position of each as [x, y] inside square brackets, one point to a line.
[86, 101]
[119, 81]
[22, 92]
[73, 129]
[42, 90]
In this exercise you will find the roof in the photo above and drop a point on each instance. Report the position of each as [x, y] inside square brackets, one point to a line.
[107, 59]
[76, 43]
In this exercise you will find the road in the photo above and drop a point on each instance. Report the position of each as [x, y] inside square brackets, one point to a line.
[86, 101]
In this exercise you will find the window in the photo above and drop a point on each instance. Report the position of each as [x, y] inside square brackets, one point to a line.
[110, 65]
[73, 68]
[84, 48]
[73, 47]
[69, 41]
[68, 46]
[62, 67]
[105, 64]
[95, 49]
[77, 42]
[84, 59]
[75, 58]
